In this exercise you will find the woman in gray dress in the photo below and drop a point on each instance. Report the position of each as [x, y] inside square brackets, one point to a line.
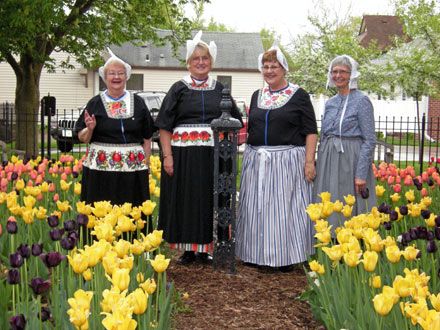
[348, 138]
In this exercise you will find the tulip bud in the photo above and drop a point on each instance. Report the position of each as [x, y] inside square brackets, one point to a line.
[11, 227]
[39, 286]
[431, 247]
[15, 260]
[430, 182]
[387, 225]
[68, 243]
[382, 207]
[426, 214]
[53, 221]
[37, 249]
[45, 314]
[17, 322]
[403, 209]
[365, 193]
[82, 219]
[430, 235]
[13, 276]
[394, 215]
[413, 232]
[422, 232]
[70, 225]
[52, 259]
[24, 250]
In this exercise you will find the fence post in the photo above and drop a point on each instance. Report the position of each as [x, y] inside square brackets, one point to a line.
[422, 144]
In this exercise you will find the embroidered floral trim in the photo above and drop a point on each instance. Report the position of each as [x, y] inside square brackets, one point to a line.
[116, 159]
[274, 100]
[184, 136]
[191, 84]
[119, 109]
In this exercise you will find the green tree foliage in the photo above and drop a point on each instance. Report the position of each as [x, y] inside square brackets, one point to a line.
[333, 34]
[31, 30]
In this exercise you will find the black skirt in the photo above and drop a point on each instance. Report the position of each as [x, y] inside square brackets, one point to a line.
[186, 198]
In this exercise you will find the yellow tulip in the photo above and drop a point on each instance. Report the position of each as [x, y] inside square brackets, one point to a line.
[410, 195]
[121, 247]
[349, 199]
[149, 286]
[327, 209]
[110, 262]
[389, 291]
[28, 216]
[44, 187]
[155, 238]
[126, 208]
[344, 235]
[41, 213]
[393, 254]
[139, 277]
[435, 301]
[352, 258]
[119, 320]
[19, 185]
[337, 206]
[431, 220]
[410, 253]
[314, 212]
[354, 245]
[324, 236]
[120, 278]
[370, 260]
[157, 192]
[380, 190]
[402, 286]
[395, 197]
[416, 210]
[83, 208]
[99, 209]
[92, 222]
[137, 248]
[160, 264]
[139, 301]
[77, 188]
[63, 206]
[321, 225]
[382, 304]
[93, 256]
[79, 262]
[64, 185]
[346, 211]
[136, 213]
[148, 207]
[125, 224]
[87, 274]
[426, 200]
[325, 196]
[29, 202]
[104, 231]
[377, 283]
[126, 262]
[335, 253]
[388, 241]
[111, 298]
[373, 222]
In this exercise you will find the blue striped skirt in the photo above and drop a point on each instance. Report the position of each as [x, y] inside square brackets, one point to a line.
[273, 228]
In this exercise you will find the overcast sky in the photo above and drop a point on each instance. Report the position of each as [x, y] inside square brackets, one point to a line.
[287, 17]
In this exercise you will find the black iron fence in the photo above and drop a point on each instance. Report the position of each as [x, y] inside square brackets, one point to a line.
[405, 141]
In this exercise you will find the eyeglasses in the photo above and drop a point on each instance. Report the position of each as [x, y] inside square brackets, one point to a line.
[341, 73]
[273, 68]
[114, 74]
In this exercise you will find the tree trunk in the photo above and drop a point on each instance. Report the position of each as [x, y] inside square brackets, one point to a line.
[27, 95]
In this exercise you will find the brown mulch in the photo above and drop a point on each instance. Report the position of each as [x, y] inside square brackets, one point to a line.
[249, 299]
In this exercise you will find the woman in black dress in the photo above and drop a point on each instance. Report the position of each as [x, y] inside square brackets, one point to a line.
[118, 127]
[186, 198]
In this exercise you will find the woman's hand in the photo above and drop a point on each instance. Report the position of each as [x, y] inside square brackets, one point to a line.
[359, 184]
[90, 121]
[168, 165]
[310, 171]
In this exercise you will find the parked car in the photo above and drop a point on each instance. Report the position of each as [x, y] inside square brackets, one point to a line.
[63, 123]
[243, 132]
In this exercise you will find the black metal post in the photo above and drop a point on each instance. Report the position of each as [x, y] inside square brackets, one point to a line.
[42, 125]
[225, 131]
[422, 144]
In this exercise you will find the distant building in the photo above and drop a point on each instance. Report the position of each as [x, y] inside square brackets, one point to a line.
[154, 69]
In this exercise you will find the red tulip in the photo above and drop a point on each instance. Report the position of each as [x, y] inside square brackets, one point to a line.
[424, 192]
[397, 188]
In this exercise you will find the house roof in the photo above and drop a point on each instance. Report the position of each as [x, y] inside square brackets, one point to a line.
[235, 52]
[381, 28]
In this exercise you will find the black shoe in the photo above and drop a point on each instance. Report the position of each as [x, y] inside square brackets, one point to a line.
[267, 269]
[286, 269]
[250, 264]
[186, 258]
[204, 258]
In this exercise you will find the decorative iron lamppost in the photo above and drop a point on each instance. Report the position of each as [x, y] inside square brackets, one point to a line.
[225, 130]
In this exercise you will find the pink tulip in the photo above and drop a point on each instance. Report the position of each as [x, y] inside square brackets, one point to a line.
[398, 179]
[4, 182]
[391, 180]
[33, 175]
[39, 179]
[64, 176]
[40, 196]
[408, 181]
[52, 187]
[30, 183]
[68, 170]
[397, 188]
[56, 197]
[2, 174]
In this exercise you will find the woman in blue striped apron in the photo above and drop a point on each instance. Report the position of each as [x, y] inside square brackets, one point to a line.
[119, 127]
[273, 229]
[184, 122]
[348, 139]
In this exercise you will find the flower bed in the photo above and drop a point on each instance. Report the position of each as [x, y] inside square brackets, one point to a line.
[381, 269]
[68, 265]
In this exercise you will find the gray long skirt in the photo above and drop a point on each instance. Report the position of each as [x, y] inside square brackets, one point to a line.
[273, 228]
[335, 174]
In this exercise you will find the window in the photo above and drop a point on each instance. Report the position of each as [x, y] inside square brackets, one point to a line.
[136, 82]
[226, 81]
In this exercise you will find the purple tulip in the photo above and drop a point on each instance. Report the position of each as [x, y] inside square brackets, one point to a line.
[426, 214]
[15, 260]
[416, 181]
[68, 243]
[73, 235]
[24, 250]
[14, 176]
[431, 247]
[414, 233]
[17, 322]
[4, 163]
[394, 215]
[382, 207]
[406, 238]
[365, 193]
[52, 259]
[75, 174]
[11, 227]
[387, 225]
[53, 221]
[45, 314]
[39, 286]
[423, 232]
[419, 255]
[419, 186]
[37, 249]
[403, 209]
[430, 235]
[56, 234]
[437, 232]
[13, 276]
[70, 225]
[82, 219]
[430, 182]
